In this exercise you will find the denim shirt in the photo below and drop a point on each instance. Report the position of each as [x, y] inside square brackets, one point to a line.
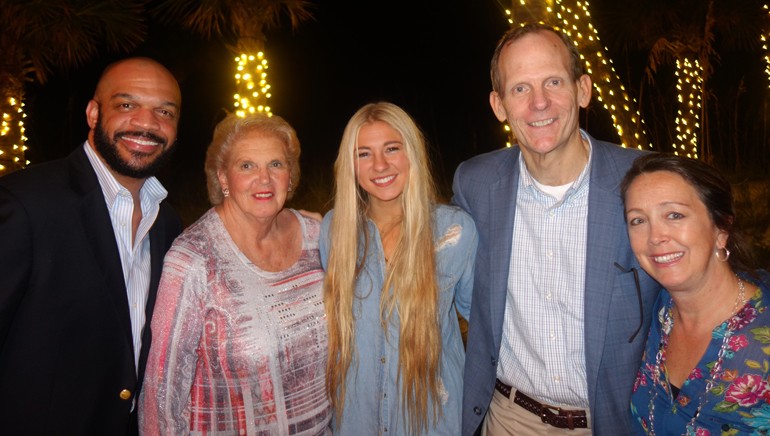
[373, 391]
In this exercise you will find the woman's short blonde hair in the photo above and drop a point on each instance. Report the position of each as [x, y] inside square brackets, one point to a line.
[230, 130]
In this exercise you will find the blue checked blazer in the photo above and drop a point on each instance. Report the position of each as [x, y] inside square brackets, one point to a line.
[486, 187]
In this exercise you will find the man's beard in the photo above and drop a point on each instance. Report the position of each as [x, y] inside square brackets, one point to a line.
[108, 150]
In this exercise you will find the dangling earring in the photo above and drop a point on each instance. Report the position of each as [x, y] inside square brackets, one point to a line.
[290, 188]
[722, 258]
[226, 192]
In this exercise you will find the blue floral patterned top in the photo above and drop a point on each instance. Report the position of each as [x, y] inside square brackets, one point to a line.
[736, 403]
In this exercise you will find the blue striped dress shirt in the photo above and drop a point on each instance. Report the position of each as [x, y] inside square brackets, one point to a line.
[134, 251]
[543, 348]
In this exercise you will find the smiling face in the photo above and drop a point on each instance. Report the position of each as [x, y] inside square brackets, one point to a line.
[257, 174]
[382, 164]
[539, 97]
[671, 232]
[134, 116]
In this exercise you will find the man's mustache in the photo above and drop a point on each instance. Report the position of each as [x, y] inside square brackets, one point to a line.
[136, 133]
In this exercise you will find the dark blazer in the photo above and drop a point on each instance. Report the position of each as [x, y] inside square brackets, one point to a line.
[66, 350]
[486, 187]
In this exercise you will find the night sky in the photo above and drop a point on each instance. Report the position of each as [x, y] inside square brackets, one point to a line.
[430, 57]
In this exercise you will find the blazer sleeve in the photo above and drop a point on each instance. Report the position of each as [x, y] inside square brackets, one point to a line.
[15, 258]
[177, 325]
[458, 197]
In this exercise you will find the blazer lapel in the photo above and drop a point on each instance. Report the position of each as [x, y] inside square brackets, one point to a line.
[606, 230]
[502, 201]
[101, 237]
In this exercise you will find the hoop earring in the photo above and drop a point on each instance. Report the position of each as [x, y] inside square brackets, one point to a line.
[726, 255]
[226, 192]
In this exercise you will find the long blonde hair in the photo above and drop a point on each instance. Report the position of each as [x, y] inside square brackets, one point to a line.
[410, 288]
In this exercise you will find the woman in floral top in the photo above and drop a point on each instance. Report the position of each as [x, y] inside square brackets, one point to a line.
[707, 360]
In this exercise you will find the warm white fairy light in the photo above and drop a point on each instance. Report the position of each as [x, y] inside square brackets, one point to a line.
[764, 39]
[610, 91]
[12, 138]
[253, 91]
[688, 87]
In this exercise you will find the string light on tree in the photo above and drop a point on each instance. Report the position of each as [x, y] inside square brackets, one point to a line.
[764, 39]
[12, 139]
[252, 89]
[576, 20]
[688, 86]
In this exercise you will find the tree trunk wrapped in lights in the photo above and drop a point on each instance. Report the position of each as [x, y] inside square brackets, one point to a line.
[765, 46]
[252, 88]
[14, 71]
[12, 137]
[240, 25]
[689, 86]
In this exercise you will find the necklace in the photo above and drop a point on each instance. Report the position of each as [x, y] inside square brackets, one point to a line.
[716, 370]
[388, 238]
[741, 299]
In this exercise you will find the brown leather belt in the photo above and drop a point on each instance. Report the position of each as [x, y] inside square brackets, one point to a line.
[554, 416]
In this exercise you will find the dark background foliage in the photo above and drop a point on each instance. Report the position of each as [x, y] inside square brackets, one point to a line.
[432, 58]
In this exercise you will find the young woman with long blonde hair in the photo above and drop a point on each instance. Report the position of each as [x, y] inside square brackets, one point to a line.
[399, 265]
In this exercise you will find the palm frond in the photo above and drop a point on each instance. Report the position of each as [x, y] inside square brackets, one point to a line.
[740, 22]
[231, 20]
[663, 52]
[298, 11]
[59, 34]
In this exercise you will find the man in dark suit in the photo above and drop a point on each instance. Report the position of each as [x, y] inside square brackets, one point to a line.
[560, 306]
[83, 241]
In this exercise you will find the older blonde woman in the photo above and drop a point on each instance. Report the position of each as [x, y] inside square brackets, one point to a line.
[239, 333]
[398, 266]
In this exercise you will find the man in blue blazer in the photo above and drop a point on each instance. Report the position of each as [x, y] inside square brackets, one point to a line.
[560, 306]
[83, 241]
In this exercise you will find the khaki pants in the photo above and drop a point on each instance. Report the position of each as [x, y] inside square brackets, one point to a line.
[508, 418]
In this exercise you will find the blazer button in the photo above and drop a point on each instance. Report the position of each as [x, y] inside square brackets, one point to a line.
[125, 394]
[477, 410]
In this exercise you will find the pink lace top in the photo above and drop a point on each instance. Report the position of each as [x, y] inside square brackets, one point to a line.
[235, 349]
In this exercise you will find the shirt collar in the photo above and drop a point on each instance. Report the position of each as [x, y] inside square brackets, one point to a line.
[528, 181]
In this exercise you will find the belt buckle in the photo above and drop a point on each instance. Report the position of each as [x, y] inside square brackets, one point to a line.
[544, 415]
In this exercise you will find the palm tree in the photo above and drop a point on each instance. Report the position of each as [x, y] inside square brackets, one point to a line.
[240, 25]
[688, 37]
[43, 36]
